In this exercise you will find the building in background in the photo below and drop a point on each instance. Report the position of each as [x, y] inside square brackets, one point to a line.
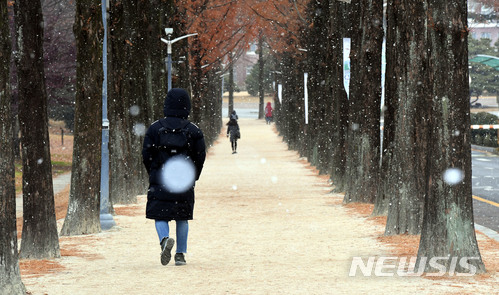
[243, 66]
[483, 21]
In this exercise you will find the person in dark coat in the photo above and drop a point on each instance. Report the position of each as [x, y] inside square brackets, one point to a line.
[165, 204]
[234, 133]
[233, 115]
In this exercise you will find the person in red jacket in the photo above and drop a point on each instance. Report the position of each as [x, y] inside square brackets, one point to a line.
[268, 113]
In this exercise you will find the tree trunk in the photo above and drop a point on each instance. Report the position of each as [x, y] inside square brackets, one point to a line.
[137, 87]
[176, 18]
[83, 215]
[230, 87]
[364, 103]
[140, 53]
[39, 237]
[132, 105]
[10, 277]
[339, 124]
[406, 120]
[157, 85]
[448, 228]
[261, 66]
[118, 102]
[317, 137]
[198, 86]
[16, 141]
[390, 107]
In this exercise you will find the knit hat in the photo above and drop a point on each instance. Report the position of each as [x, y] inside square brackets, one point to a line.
[177, 103]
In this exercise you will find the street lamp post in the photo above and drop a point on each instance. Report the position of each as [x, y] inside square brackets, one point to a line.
[223, 87]
[169, 32]
[106, 219]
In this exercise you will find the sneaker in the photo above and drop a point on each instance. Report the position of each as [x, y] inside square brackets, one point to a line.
[179, 259]
[166, 249]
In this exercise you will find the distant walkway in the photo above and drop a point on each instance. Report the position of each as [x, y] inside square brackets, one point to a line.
[60, 183]
[265, 223]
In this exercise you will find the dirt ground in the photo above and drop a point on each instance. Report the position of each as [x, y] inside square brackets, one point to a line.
[265, 223]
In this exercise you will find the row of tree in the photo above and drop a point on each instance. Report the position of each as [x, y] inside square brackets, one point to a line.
[426, 120]
[426, 134]
[136, 91]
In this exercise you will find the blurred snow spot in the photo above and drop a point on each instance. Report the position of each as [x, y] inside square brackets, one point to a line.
[457, 133]
[234, 187]
[453, 176]
[273, 179]
[263, 160]
[139, 129]
[134, 110]
[178, 174]
[355, 126]
[39, 161]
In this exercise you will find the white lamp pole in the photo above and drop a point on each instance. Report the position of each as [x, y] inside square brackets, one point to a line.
[169, 32]
[305, 89]
[106, 219]
[223, 82]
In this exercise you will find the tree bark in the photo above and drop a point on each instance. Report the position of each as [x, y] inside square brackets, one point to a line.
[119, 63]
[407, 119]
[10, 277]
[230, 87]
[261, 66]
[198, 85]
[363, 141]
[136, 95]
[339, 124]
[317, 138]
[156, 82]
[140, 53]
[448, 228]
[39, 236]
[390, 107]
[83, 215]
[176, 18]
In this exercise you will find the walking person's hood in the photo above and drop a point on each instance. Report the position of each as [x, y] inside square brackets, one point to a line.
[177, 103]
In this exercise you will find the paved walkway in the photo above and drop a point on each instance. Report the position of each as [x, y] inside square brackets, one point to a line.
[265, 223]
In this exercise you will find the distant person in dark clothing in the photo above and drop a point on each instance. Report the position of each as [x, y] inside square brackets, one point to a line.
[168, 201]
[233, 133]
[233, 115]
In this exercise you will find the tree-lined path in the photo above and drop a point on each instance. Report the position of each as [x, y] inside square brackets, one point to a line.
[265, 223]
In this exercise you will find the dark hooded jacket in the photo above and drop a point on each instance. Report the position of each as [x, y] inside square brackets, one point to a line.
[233, 130]
[162, 204]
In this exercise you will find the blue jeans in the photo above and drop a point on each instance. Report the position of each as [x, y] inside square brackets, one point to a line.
[163, 230]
